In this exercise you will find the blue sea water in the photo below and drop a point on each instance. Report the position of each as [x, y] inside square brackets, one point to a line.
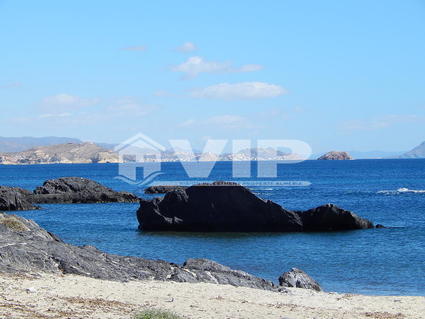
[376, 261]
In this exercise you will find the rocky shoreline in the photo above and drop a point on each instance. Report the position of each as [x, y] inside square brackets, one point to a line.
[25, 247]
[59, 191]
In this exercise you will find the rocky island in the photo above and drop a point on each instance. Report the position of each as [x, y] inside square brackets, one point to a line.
[335, 156]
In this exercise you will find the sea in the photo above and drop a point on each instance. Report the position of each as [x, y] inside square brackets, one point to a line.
[388, 261]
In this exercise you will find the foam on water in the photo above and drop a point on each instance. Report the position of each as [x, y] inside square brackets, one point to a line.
[402, 190]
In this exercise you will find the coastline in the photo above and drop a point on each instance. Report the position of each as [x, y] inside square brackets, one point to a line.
[72, 296]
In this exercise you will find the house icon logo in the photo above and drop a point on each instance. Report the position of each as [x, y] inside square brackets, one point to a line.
[139, 160]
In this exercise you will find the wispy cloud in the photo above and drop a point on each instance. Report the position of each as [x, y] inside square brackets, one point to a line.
[187, 47]
[244, 90]
[65, 102]
[135, 48]
[10, 85]
[382, 122]
[130, 106]
[230, 121]
[53, 115]
[224, 121]
[196, 65]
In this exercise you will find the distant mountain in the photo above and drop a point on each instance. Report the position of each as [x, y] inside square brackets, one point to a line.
[374, 154]
[417, 152]
[61, 154]
[19, 144]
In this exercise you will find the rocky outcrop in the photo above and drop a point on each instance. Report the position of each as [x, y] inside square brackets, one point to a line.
[162, 189]
[14, 198]
[298, 279]
[78, 190]
[25, 247]
[59, 191]
[335, 156]
[331, 218]
[215, 209]
[233, 208]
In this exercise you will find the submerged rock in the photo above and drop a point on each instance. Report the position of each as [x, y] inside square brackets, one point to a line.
[14, 198]
[78, 190]
[25, 247]
[298, 279]
[234, 208]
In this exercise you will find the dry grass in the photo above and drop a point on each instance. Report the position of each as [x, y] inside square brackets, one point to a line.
[12, 222]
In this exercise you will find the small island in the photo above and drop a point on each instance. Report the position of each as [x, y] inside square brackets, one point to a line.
[335, 156]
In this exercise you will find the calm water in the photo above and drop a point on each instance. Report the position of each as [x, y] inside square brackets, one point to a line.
[376, 261]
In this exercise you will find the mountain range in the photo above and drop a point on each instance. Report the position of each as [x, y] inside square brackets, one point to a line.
[46, 150]
[19, 144]
[417, 152]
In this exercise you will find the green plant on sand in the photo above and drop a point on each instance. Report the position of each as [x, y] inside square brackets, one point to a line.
[156, 314]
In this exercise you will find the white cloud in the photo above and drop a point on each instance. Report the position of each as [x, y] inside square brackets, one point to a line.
[196, 65]
[135, 48]
[187, 47]
[244, 90]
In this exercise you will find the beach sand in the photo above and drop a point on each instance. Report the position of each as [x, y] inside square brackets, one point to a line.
[70, 296]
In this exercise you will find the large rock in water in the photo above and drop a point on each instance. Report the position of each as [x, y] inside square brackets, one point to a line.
[25, 247]
[78, 190]
[216, 208]
[330, 217]
[213, 208]
[298, 279]
[14, 198]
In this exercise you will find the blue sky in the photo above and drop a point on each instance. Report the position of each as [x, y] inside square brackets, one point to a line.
[346, 75]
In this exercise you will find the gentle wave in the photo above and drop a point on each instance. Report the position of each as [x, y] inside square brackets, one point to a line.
[402, 190]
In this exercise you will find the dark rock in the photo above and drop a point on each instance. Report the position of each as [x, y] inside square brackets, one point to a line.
[78, 190]
[233, 208]
[298, 279]
[25, 247]
[14, 198]
[217, 209]
[162, 189]
[330, 218]
[379, 226]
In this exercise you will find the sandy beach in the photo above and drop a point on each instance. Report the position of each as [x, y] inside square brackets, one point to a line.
[70, 296]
